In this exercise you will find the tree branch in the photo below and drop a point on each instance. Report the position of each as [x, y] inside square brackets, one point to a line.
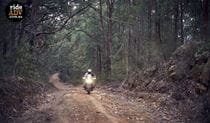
[62, 26]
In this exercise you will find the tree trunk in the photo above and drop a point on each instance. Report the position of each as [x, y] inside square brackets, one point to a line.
[109, 39]
[34, 25]
[99, 60]
[205, 20]
[103, 48]
[176, 15]
[158, 30]
[157, 23]
[149, 21]
[13, 48]
[181, 22]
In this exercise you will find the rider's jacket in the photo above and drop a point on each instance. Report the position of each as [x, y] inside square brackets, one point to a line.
[89, 73]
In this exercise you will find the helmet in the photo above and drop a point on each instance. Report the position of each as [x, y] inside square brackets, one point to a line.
[89, 70]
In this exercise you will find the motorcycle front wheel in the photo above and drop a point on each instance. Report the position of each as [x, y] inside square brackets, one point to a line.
[88, 91]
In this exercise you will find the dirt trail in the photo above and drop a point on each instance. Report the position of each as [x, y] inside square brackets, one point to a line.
[73, 105]
[83, 98]
[77, 96]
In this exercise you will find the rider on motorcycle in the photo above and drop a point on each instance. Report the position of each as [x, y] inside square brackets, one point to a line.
[89, 78]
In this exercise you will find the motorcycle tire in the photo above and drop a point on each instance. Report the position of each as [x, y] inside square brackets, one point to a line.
[88, 91]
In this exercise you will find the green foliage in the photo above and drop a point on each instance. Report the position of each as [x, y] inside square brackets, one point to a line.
[72, 48]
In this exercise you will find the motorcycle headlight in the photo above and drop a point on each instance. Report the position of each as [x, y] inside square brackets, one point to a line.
[89, 81]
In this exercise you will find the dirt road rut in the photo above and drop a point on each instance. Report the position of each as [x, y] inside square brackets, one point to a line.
[73, 105]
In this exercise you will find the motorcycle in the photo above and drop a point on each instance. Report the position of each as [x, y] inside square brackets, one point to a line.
[89, 83]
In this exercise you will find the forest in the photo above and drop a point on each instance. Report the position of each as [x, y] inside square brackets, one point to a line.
[150, 46]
